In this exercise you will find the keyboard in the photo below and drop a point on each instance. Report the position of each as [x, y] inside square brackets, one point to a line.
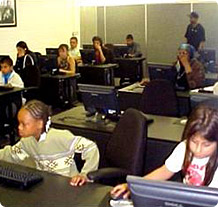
[20, 179]
[5, 88]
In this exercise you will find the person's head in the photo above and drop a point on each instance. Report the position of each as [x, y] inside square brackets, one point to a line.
[194, 18]
[129, 39]
[73, 42]
[201, 135]
[63, 51]
[6, 65]
[186, 49]
[22, 48]
[97, 41]
[33, 119]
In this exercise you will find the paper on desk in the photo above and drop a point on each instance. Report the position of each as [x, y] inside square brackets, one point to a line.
[209, 88]
[1, 205]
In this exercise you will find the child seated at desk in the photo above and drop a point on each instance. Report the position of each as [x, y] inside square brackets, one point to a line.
[8, 76]
[196, 156]
[51, 149]
[66, 63]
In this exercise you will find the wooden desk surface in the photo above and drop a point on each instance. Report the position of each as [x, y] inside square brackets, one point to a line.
[54, 191]
[163, 128]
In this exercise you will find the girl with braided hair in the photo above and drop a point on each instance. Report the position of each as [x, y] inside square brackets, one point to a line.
[51, 149]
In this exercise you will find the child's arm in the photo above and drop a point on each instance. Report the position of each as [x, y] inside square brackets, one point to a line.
[90, 154]
[14, 154]
[160, 174]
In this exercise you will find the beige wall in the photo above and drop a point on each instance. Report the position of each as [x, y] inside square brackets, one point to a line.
[159, 28]
[41, 23]
[88, 20]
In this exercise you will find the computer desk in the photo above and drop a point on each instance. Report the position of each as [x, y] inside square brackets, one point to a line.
[163, 134]
[59, 90]
[130, 96]
[54, 191]
[102, 74]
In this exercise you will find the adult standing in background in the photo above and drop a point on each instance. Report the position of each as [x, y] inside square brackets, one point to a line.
[134, 48]
[195, 33]
[74, 50]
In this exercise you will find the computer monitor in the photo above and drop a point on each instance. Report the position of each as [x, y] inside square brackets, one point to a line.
[48, 64]
[120, 50]
[3, 56]
[148, 193]
[87, 46]
[162, 71]
[208, 58]
[51, 51]
[88, 56]
[101, 99]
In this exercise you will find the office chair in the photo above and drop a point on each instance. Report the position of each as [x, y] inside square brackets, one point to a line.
[159, 98]
[125, 151]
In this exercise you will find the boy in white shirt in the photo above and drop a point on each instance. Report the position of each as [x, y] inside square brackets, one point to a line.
[8, 76]
[74, 50]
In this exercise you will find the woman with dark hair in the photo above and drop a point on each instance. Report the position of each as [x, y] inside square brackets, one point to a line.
[102, 54]
[66, 63]
[51, 149]
[196, 156]
[190, 72]
[24, 57]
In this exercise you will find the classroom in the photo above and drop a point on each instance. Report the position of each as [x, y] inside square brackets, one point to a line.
[108, 103]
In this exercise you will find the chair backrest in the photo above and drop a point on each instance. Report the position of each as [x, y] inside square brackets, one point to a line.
[127, 146]
[159, 98]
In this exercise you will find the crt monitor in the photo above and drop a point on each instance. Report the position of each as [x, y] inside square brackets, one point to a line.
[101, 99]
[148, 193]
[120, 50]
[88, 56]
[162, 71]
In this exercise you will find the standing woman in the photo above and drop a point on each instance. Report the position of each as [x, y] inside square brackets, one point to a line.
[24, 57]
[66, 63]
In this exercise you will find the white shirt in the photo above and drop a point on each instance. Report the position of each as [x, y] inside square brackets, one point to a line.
[196, 170]
[74, 52]
[14, 79]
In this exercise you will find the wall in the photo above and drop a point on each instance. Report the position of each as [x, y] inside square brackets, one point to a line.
[159, 28]
[41, 23]
[166, 28]
[88, 20]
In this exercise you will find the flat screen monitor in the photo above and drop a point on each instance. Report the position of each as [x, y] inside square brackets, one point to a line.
[48, 64]
[51, 51]
[3, 56]
[208, 55]
[101, 99]
[120, 50]
[162, 71]
[88, 56]
[88, 46]
[147, 193]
